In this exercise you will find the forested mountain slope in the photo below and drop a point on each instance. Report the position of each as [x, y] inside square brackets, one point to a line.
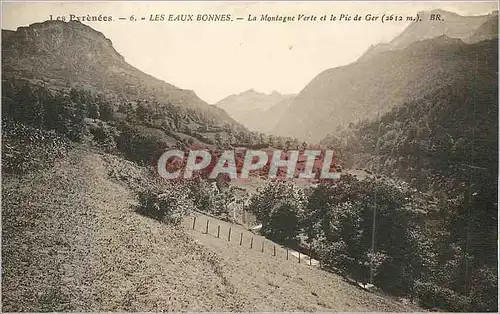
[372, 86]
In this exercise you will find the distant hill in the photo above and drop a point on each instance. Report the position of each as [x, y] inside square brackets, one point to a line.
[373, 85]
[257, 111]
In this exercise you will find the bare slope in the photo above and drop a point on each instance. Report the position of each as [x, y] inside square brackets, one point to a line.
[72, 242]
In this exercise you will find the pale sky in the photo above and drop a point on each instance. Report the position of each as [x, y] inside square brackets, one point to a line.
[221, 58]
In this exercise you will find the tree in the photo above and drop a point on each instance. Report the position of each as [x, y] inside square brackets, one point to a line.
[340, 217]
[279, 206]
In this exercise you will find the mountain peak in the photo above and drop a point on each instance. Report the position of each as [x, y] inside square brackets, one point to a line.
[72, 26]
[440, 12]
[250, 91]
[253, 92]
[62, 38]
[451, 24]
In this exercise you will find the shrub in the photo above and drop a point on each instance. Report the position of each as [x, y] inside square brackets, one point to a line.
[103, 135]
[49, 109]
[106, 111]
[431, 295]
[128, 172]
[340, 218]
[27, 149]
[279, 206]
[142, 144]
[334, 256]
[484, 290]
[167, 203]
[209, 198]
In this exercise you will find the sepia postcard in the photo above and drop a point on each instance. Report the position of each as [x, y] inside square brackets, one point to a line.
[249, 156]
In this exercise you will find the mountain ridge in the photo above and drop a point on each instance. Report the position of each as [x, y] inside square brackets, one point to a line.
[374, 84]
[454, 26]
[74, 54]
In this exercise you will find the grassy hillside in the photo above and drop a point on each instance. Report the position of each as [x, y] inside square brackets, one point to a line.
[71, 241]
[274, 283]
